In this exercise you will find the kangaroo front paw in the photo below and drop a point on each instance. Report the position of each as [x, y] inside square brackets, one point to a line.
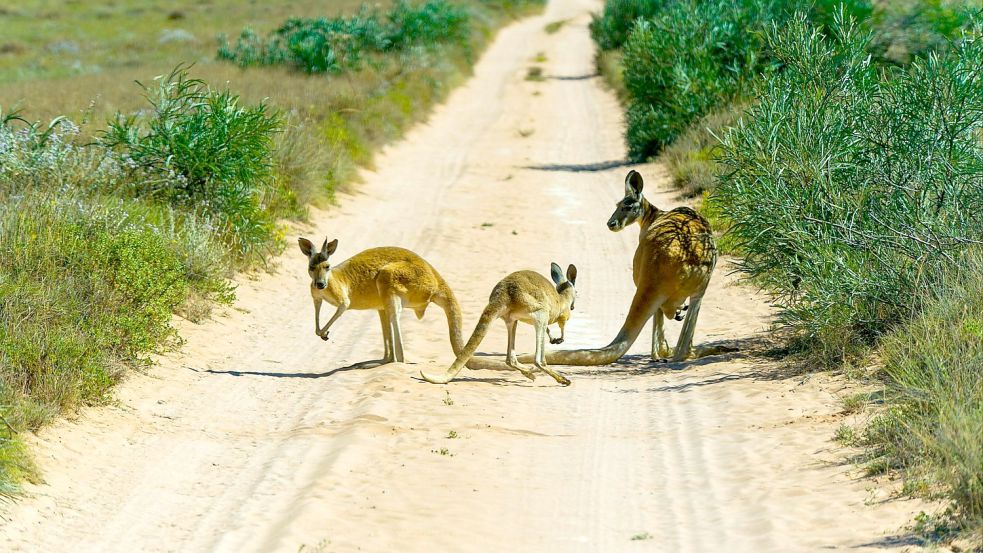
[562, 379]
[556, 340]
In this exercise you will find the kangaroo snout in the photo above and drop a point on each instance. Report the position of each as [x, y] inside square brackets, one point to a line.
[320, 285]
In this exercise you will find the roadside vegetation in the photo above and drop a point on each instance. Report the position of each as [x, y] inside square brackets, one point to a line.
[840, 146]
[145, 199]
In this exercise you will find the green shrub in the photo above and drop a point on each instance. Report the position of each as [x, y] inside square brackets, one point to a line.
[333, 45]
[851, 188]
[199, 149]
[692, 56]
[935, 393]
[610, 29]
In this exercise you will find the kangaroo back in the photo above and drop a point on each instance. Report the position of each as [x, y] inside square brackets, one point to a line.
[491, 312]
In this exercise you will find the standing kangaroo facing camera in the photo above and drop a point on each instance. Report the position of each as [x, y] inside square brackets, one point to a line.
[528, 297]
[674, 261]
[384, 279]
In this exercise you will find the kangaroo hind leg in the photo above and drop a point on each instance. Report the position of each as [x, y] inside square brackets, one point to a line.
[387, 336]
[394, 308]
[685, 343]
[540, 357]
[660, 346]
[510, 357]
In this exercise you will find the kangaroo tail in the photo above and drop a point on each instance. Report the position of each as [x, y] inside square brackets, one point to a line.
[452, 310]
[490, 313]
[640, 312]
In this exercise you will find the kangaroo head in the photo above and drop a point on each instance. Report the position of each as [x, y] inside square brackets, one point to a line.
[631, 207]
[564, 284]
[317, 260]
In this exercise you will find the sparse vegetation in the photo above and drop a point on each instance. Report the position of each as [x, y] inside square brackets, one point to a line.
[934, 394]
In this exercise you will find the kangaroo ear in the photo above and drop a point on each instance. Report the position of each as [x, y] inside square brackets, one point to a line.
[306, 246]
[329, 247]
[572, 274]
[556, 273]
[633, 184]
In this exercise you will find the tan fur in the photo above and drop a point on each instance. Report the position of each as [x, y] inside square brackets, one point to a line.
[528, 297]
[383, 279]
[674, 260]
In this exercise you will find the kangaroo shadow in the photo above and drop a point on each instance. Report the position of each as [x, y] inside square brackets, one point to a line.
[584, 77]
[581, 167]
[353, 367]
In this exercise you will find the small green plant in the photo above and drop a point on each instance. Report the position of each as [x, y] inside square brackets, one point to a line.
[855, 403]
[452, 435]
[535, 73]
[845, 435]
[443, 451]
[448, 400]
[555, 26]
[642, 536]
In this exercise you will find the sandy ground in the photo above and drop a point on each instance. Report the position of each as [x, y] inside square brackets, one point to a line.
[257, 436]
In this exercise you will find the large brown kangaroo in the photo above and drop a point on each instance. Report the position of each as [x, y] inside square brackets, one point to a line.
[674, 260]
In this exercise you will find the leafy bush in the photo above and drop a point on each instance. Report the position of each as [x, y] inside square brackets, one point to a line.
[851, 188]
[610, 29]
[199, 149]
[333, 45]
[692, 56]
[935, 396]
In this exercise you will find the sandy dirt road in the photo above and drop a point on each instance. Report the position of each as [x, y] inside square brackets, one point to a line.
[255, 436]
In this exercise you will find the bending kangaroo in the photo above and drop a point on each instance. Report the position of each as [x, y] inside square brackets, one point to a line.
[384, 279]
[674, 260]
[528, 297]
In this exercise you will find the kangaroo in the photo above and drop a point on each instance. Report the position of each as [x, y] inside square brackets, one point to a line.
[528, 297]
[384, 279]
[674, 260]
